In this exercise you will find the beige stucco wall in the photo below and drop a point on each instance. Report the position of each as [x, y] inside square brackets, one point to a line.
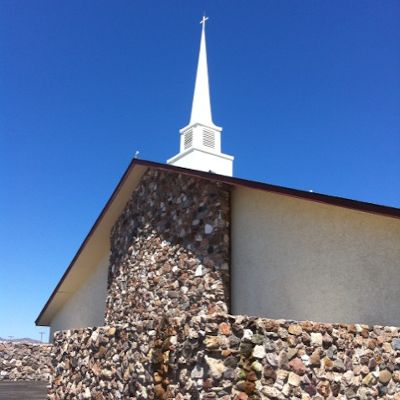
[85, 307]
[298, 259]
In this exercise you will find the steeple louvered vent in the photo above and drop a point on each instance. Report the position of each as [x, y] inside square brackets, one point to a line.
[188, 141]
[208, 138]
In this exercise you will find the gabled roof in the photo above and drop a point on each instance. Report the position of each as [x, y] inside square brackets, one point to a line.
[97, 240]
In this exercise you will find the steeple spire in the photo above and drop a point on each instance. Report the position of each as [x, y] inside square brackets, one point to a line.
[201, 106]
[200, 144]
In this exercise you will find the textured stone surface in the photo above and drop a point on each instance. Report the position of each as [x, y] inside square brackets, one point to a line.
[227, 357]
[170, 250]
[25, 362]
[108, 362]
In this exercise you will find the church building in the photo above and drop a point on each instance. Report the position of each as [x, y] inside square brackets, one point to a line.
[188, 236]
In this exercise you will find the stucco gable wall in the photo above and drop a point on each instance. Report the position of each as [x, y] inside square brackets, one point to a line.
[86, 306]
[303, 260]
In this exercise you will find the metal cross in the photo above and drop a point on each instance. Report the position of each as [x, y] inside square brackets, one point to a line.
[203, 21]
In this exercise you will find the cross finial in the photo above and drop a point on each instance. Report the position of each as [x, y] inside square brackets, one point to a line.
[203, 21]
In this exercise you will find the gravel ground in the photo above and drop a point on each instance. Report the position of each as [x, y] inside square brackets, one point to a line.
[23, 390]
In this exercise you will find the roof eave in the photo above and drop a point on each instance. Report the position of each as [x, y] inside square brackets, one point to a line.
[310, 196]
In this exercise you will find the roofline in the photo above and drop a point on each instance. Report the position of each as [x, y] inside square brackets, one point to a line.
[301, 194]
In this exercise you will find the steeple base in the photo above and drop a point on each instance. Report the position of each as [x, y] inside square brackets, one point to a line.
[202, 160]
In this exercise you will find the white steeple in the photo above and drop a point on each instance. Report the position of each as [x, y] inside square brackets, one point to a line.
[201, 107]
[200, 143]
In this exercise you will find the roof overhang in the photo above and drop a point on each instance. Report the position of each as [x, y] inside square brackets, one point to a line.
[97, 242]
[95, 245]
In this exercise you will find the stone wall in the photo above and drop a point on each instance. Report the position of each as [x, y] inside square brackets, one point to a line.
[170, 250]
[112, 362]
[228, 357]
[25, 361]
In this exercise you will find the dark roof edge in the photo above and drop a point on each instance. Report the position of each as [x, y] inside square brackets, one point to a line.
[312, 196]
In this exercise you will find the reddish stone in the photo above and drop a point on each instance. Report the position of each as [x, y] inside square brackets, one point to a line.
[241, 396]
[159, 392]
[251, 376]
[208, 384]
[224, 328]
[246, 386]
[297, 366]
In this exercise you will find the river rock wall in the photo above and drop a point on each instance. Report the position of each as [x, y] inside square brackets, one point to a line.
[25, 361]
[228, 357]
[170, 250]
[111, 362]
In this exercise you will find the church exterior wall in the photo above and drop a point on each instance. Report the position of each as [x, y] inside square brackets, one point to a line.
[303, 260]
[85, 307]
[170, 250]
[228, 358]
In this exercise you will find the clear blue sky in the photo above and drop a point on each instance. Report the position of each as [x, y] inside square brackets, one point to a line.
[308, 94]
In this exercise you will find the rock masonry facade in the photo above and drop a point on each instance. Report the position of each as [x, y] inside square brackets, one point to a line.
[25, 362]
[168, 333]
[228, 357]
[170, 250]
